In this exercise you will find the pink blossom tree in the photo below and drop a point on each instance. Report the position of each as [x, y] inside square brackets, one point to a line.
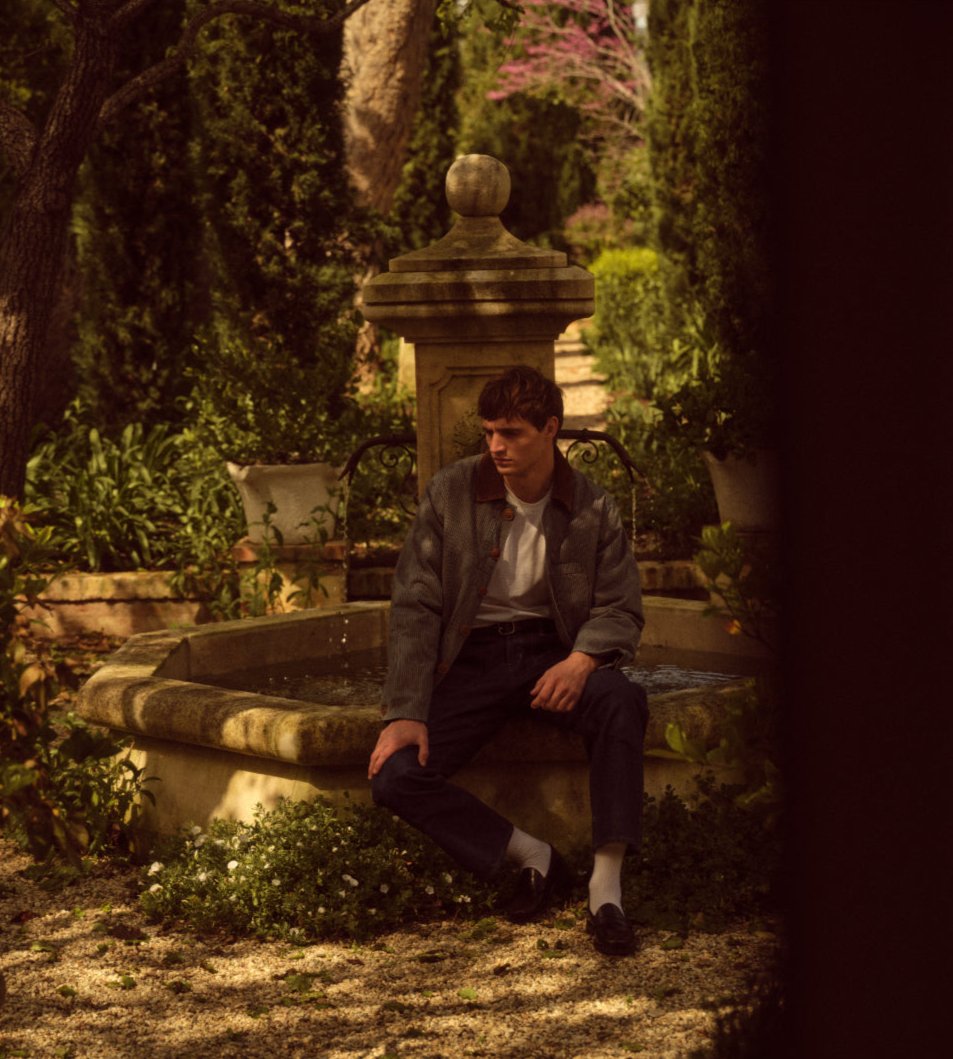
[588, 53]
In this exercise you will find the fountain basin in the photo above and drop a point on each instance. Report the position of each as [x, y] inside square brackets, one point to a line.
[219, 752]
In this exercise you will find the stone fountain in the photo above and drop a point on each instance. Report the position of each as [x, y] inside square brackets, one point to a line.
[475, 302]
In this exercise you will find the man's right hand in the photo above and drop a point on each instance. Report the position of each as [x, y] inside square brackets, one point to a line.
[396, 736]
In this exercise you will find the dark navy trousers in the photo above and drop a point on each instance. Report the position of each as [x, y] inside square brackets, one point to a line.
[489, 682]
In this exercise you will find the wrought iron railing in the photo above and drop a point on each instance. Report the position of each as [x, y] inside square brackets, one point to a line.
[397, 447]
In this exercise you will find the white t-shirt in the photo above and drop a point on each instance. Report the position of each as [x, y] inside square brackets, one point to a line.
[517, 588]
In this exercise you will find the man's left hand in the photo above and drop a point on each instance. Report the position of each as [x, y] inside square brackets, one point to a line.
[559, 688]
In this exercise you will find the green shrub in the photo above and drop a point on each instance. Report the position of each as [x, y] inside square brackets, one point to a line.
[644, 357]
[380, 503]
[744, 580]
[253, 406]
[707, 866]
[146, 499]
[139, 499]
[646, 346]
[623, 335]
[306, 870]
[63, 792]
[675, 499]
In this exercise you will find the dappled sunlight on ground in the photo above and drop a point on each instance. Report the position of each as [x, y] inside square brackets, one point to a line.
[85, 971]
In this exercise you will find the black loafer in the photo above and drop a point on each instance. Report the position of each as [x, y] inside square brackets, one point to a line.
[611, 932]
[535, 893]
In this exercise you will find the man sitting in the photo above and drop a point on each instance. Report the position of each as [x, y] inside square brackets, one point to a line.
[516, 593]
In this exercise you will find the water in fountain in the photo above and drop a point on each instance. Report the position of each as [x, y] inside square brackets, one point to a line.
[360, 679]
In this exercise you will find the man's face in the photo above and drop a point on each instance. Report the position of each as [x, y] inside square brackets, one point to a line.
[518, 449]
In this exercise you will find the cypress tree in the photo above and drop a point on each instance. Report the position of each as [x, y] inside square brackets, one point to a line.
[707, 132]
[278, 235]
[670, 134]
[268, 157]
[136, 231]
[420, 213]
[731, 222]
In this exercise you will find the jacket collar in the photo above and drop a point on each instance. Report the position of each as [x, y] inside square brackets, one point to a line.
[490, 485]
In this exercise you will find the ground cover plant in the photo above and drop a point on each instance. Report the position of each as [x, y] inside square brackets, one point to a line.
[307, 870]
[311, 871]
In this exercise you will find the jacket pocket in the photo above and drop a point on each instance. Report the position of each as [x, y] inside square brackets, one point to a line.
[572, 593]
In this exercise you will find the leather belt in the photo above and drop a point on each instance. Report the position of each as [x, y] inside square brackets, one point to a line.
[541, 626]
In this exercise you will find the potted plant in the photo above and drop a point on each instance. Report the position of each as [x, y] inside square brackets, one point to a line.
[285, 427]
[726, 410]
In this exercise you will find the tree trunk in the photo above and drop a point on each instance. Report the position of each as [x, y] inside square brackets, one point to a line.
[33, 248]
[385, 52]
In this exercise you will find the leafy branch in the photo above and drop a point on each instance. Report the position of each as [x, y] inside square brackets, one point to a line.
[148, 79]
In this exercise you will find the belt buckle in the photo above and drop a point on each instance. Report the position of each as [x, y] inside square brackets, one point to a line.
[506, 628]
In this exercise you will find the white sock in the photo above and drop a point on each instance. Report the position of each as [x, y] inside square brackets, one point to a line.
[528, 852]
[605, 884]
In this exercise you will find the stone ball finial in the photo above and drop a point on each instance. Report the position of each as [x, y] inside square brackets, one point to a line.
[478, 185]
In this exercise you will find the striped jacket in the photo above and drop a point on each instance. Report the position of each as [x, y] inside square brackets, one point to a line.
[447, 560]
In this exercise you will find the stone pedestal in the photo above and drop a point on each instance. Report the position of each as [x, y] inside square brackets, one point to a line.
[473, 304]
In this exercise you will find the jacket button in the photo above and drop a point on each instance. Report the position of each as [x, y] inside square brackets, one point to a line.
[508, 513]
[441, 668]
[481, 591]
[494, 553]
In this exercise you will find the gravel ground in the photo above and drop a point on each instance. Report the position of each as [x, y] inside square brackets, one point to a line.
[87, 975]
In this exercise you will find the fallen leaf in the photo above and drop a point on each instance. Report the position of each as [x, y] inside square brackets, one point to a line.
[432, 956]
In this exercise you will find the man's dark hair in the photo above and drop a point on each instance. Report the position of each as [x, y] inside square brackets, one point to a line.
[521, 393]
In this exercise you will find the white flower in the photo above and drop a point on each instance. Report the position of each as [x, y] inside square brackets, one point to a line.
[385, 888]
[349, 879]
[447, 877]
[340, 893]
[276, 882]
[196, 830]
[200, 840]
[202, 876]
[155, 888]
[232, 865]
[320, 910]
[428, 889]
[155, 867]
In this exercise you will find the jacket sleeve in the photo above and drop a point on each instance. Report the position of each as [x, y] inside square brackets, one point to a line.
[415, 617]
[616, 618]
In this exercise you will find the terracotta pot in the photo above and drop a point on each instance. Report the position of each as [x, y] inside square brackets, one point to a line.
[295, 490]
[746, 489]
